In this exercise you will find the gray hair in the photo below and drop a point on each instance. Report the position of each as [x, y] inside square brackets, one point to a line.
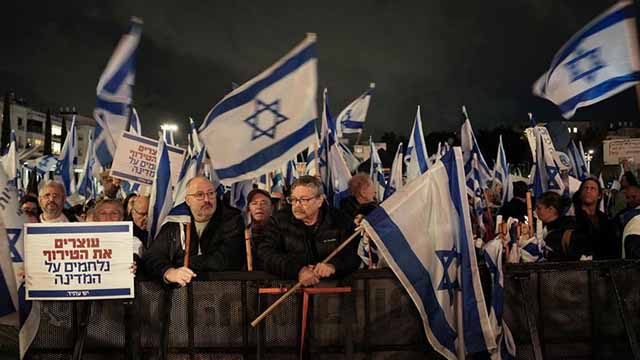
[308, 181]
[51, 183]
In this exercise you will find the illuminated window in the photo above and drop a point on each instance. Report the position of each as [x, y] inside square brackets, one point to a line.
[55, 147]
[56, 130]
[37, 142]
[575, 130]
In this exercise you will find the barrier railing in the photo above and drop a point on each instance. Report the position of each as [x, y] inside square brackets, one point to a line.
[554, 310]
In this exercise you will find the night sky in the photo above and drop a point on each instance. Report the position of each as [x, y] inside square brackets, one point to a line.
[439, 54]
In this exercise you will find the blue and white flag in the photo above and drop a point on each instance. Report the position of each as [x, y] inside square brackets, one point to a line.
[191, 168]
[161, 199]
[312, 165]
[416, 158]
[12, 233]
[239, 193]
[135, 125]
[114, 94]
[351, 119]
[11, 163]
[67, 160]
[270, 118]
[501, 173]
[327, 139]
[375, 170]
[578, 164]
[504, 339]
[598, 62]
[43, 165]
[195, 144]
[436, 261]
[86, 186]
[547, 175]
[351, 160]
[469, 148]
[476, 191]
[291, 174]
[395, 178]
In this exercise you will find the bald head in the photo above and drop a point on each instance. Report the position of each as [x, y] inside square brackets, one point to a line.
[201, 198]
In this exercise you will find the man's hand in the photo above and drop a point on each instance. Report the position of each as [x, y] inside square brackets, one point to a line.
[307, 277]
[182, 276]
[324, 270]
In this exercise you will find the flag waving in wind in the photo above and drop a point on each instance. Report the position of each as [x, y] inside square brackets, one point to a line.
[395, 178]
[598, 62]
[114, 94]
[375, 170]
[351, 119]
[271, 118]
[161, 199]
[501, 172]
[67, 160]
[470, 148]
[436, 261]
[416, 158]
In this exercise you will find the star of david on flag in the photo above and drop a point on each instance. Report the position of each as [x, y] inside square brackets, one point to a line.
[423, 231]
[265, 127]
[351, 119]
[599, 61]
[267, 121]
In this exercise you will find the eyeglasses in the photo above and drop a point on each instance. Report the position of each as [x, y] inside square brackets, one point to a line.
[201, 194]
[302, 201]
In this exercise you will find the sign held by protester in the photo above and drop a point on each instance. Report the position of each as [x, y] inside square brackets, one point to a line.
[79, 261]
[136, 158]
[615, 151]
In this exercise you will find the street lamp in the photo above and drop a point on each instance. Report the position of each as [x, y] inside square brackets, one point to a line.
[168, 128]
[588, 157]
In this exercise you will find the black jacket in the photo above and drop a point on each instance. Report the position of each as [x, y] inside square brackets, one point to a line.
[601, 236]
[561, 243]
[289, 244]
[222, 245]
[515, 208]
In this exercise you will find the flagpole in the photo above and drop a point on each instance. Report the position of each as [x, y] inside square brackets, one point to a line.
[317, 162]
[187, 244]
[247, 244]
[530, 213]
[298, 285]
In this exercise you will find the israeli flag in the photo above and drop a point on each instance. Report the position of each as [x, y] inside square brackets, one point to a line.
[10, 162]
[504, 340]
[375, 171]
[114, 94]
[191, 168]
[501, 173]
[312, 166]
[547, 175]
[351, 160]
[67, 160]
[327, 139]
[469, 148]
[135, 126]
[239, 193]
[578, 163]
[86, 183]
[196, 144]
[161, 200]
[43, 165]
[395, 178]
[271, 118]
[477, 191]
[423, 232]
[598, 62]
[291, 174]
[416, 158]
[12, 233]
[352, 118]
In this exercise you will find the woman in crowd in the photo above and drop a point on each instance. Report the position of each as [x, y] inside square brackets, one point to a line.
[558, 229]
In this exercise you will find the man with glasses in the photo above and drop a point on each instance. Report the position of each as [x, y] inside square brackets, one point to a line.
[296, 240]
[52, 201]
[217, 238]
[140, 215]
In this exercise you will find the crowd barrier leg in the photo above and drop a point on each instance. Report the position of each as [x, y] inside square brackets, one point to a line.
[531, 321]
[631, 334]
[78, 347]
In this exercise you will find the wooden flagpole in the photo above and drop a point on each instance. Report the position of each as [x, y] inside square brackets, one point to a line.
[187, 244]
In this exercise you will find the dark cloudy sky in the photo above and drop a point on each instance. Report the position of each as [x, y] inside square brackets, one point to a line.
[439, 54]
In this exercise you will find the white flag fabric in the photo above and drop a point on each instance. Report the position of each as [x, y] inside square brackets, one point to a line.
[161, 200]
[501, 173]
[547, 175]
[423, 231]
[469, 148]
[351, 119]
[270, 118]
[114, 94]
[375, 170]
[135, 126]
[416, 158]
[598, 62]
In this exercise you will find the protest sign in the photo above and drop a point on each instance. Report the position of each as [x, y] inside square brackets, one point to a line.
[615, 151]
[136, 158]
[79, 261]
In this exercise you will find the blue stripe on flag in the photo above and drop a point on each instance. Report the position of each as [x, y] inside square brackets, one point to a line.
[350, 124]
[419, 150]
[140, 139]
[627, 12]
[126, 68]
[86, 293]
[604, 87]
[113, 107]
[415, 272]
[241, 98]
[40, 230]
[268, 154]
[473, 333]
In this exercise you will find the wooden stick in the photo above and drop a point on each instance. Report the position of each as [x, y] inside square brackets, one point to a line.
[247, 245]
[530, 212]
[187, 244]
[317, 162]
[297, 286]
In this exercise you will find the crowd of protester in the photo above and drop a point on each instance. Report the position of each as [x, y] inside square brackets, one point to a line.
[291, 238]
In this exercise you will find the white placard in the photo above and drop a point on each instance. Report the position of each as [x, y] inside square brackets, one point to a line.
[615, 151]
[79, 261]
[136, 158]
